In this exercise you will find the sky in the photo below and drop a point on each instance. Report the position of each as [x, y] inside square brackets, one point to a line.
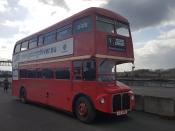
[152, 25]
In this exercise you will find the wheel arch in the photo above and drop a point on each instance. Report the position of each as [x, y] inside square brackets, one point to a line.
[78, 95]
[20, 89]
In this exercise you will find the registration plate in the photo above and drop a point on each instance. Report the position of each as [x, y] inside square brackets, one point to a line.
[122, 112]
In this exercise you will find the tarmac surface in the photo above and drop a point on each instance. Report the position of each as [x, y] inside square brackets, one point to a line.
[15, 116]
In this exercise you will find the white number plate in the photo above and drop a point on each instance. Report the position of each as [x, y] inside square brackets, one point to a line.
[122, 112]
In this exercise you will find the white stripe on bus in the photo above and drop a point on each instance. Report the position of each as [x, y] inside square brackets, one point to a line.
[78, 58]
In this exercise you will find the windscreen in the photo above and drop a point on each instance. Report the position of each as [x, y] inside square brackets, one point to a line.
[110, 25]
[106, 70]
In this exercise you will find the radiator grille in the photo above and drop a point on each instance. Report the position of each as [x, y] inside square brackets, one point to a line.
[121, 102]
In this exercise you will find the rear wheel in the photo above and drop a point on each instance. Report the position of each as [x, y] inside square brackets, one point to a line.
[23, 95]
[84, 110]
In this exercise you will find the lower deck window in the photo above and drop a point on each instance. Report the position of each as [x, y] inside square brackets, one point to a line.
[77, 70]
[85, 70]
[62, 73]
[89, 70]
[47, 73]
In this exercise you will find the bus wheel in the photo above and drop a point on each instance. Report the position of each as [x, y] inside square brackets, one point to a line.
[84, 110]
[23, 95]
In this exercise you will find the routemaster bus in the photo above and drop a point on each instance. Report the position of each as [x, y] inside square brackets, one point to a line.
[72, 65]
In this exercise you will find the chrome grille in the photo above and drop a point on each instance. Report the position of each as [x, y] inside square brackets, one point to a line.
[121, 102]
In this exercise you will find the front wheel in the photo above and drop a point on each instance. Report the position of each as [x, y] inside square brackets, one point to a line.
[84, 110]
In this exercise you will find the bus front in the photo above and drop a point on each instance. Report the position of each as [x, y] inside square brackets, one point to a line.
[113, 47]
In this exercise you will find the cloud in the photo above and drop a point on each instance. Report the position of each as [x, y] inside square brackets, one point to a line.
[144, 13]
[7, 31]
[3, 4]
[159, 53]
[168, 35]
[12, 11]
[20, 18]
[6, 49]
[60, 3]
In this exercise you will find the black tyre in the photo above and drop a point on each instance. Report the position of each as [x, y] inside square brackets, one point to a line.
[23, 95]
[84, 110]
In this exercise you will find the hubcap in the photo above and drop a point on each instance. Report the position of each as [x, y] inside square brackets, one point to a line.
[82, 109]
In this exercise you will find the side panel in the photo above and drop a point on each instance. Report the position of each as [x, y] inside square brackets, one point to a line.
[56, 93]
[35, 89]
[84, 44]
[85, 87]
[59, 94]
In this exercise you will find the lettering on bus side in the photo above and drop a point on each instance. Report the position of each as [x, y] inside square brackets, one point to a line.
[60, 48]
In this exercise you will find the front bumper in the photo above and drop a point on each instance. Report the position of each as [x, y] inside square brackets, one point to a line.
[113, 103]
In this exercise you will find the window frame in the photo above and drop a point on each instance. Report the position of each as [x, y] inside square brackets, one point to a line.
[89, 29]
[63, 69]
[95, 70]
[64, 28]
[106, 20]
[102, 18]
[23, 43]
[51, 34]
[123, 23]
[33, 40]
[33, 72]
[81, 73]
[19, 49]
[23, 73]
[44, 76]
[40, 43]
[101, 73]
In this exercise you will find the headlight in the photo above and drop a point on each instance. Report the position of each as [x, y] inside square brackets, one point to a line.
[102, 100]
[132, 97]
[131, 92]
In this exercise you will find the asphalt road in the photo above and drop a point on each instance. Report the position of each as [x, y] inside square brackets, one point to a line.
[15, 116]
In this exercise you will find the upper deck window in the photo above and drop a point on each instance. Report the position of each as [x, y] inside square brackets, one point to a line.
[24, 45]
[50, 37]
[122, 29]
[64, 32]
[17, 48]
[104, 24]
[40, 40]
[83, 25]
[33, 43]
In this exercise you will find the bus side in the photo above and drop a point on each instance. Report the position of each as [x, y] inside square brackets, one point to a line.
[46, 83]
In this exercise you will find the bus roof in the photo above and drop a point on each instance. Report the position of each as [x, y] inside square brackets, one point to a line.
[88, 11]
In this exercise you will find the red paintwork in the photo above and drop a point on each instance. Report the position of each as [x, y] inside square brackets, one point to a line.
[61, 93]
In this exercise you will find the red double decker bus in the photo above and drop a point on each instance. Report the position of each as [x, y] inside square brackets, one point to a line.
[72, 65]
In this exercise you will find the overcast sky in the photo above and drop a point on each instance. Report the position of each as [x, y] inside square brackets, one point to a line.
[152, 24]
